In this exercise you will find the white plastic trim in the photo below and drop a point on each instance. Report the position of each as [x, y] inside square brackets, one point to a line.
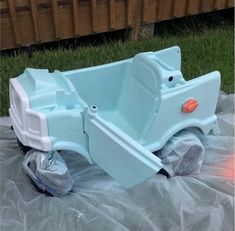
[30, 126]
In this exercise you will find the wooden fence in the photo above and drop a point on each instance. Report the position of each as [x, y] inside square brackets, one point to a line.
[26, 22]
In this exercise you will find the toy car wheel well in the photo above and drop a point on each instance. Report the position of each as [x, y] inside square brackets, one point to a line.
[193, 129]
[22, 147]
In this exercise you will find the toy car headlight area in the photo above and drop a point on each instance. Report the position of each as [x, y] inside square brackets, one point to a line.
[116, 114]
[30, 126]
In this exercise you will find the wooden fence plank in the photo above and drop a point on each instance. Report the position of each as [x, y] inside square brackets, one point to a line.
[215, 4]
[144, 10]
[158, 10]
[166, 9]
[227, 3]
[112, 14]
[173, 13]
[181, 8]
[17, 3]
[130, 11]
[76, 22]
[93, 15]
[14, 21]
[221, 4]
[230, 3]
[34, 13]
[56, 18]
[186, 10]
[193, 7]
[208, 6]
[200, 10]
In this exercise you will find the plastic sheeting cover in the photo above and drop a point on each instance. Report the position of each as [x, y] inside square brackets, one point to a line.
[48, 172]
[200, 201]
[183, 154]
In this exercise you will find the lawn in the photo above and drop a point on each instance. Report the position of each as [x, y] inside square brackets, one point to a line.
[204, 47]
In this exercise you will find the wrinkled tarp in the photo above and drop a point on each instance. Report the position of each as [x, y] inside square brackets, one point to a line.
[48, 172]
[183, 154]
[200, 201]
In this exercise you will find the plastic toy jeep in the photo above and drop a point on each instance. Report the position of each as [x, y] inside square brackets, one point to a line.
[116, 114]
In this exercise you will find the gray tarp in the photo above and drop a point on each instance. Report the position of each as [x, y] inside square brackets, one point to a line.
[201, 201]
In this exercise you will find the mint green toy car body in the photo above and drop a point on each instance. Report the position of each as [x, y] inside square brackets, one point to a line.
[116, 114]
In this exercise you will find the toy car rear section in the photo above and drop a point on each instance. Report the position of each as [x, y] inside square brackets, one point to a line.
[115, 114]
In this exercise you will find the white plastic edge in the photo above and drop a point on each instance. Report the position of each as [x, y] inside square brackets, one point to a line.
[30, 126]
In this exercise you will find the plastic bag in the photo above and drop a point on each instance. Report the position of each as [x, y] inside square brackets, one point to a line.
[48, 172]
[182, 154]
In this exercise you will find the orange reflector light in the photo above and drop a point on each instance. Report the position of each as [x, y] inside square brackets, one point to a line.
[190, 106]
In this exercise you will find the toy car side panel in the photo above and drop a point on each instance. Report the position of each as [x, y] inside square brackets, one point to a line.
[170, 118]
[117, 153]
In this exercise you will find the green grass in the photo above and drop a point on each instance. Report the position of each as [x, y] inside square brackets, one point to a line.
[203, 50]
